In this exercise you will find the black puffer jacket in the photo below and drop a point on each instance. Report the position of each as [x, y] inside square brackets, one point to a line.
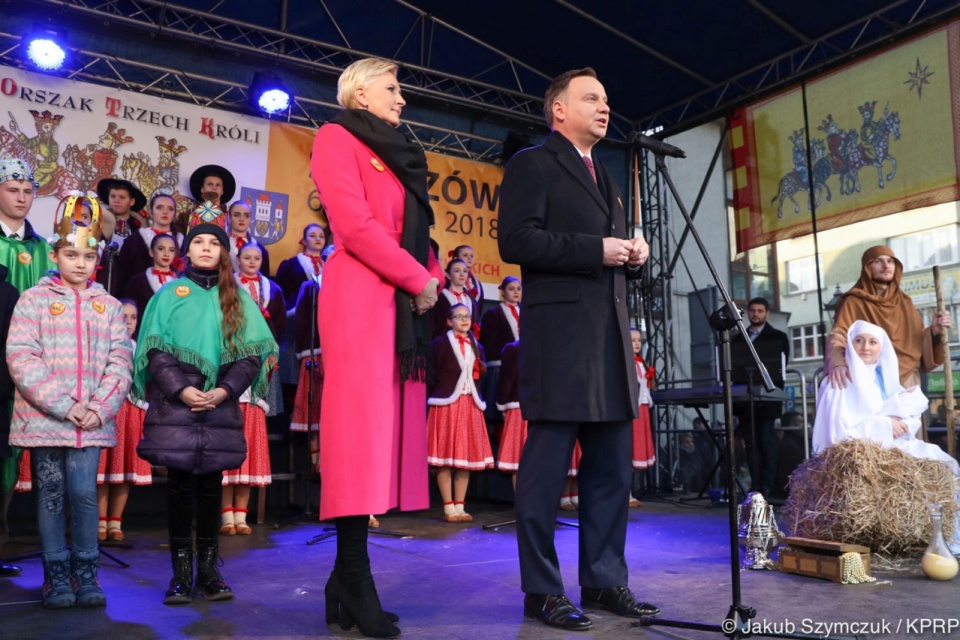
[196, 442]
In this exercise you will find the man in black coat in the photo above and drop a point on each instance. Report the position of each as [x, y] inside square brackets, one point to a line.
[562, 221]
[773, 347]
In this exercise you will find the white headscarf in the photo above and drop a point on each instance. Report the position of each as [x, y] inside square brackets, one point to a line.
[859, 410]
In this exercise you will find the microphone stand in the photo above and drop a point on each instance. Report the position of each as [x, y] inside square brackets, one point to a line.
[737, 623]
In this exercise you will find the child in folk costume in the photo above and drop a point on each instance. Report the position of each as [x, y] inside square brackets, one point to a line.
[134, 256]
[499, 326]
[473, 286]
[120, 220]
[141, 287]
[293, 272]
[255, 470]
[121, 466]
[240, 235]
[306, 415]
[508, 401]
[454, 293]
[644, 455]
[457, 440]
[65, 414]
[203, 342]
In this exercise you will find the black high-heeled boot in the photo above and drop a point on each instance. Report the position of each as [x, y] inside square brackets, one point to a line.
[351, 591]
[331, 590]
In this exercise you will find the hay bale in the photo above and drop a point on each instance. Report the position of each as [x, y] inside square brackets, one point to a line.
[860, 493]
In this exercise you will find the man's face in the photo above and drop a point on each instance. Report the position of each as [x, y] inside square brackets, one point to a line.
[16, 198]
[882, 269]
[120, 201]
[213, 184]
[757, 314]
[582, 113]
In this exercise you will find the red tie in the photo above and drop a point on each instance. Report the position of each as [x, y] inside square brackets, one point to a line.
[515, 313]
[593, 172]
[240, 242]
[474, 291]
[459, 295]
[464, 341]
[317, 263]
[161, 275]
[254, 292]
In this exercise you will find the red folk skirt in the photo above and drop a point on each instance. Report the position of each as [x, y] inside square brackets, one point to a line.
[644, 454]
[457, 436]
[255, 470]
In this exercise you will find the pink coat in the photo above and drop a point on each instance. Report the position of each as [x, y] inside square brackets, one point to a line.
[373, 446]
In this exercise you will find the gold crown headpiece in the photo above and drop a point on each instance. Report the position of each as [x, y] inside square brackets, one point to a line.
[69, 227]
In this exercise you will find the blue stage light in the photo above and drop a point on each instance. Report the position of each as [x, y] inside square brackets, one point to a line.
[45, 53]
[274, 100]
[268, 93]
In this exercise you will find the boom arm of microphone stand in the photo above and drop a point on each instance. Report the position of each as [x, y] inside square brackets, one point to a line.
[729, 316]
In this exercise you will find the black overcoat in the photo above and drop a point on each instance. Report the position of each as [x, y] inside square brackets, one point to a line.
[576, 362]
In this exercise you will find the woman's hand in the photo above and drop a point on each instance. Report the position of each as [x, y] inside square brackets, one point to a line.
[217, 396]
[90, 421]
[839, 376]
[425, 300]
[193, 398]
[899, 427]
[76, 413]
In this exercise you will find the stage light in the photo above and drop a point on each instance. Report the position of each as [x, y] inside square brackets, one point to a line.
[43, 50]
[269, 94]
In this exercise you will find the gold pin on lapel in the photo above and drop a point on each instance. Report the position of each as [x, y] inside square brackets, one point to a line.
[376, 164]
[182, 291]
[57, 308]
[99, 306]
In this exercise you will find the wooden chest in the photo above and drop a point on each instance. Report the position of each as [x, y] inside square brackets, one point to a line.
[819, 558]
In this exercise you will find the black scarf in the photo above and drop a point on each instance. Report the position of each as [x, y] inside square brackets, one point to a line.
[409, 164]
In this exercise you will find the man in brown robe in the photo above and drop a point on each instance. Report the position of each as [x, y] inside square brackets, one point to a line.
[877, 298]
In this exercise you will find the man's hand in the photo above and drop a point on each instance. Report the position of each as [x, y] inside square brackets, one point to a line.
[639, 252]
[839, 376]
[941, 320]
[616, 251]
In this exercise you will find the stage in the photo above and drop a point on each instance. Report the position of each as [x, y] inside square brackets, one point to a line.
[458, 581]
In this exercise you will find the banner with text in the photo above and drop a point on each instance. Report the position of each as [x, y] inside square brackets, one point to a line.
[883, 139]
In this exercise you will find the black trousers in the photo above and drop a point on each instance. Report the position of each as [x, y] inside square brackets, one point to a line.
[190, 495]
[604, 487]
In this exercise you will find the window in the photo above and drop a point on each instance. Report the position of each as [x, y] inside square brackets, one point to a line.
[924, 249]
[754, 274]
[805, 342]
[802, 275]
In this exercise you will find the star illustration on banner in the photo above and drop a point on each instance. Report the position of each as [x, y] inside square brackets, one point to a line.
[919, 77]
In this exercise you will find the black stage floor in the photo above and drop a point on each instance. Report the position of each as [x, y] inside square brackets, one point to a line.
[455, 581]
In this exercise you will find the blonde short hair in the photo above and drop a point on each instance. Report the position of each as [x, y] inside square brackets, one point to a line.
[359, 74]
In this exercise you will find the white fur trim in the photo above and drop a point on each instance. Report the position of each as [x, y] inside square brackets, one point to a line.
[246, 396]
[509, 405]
[514, 327]
[644, 397]
[154, 281]
[308, 352]
[456, 463]
[263, 289]
[307, 265]
[148, 235]
[451, 296]
[465, 379]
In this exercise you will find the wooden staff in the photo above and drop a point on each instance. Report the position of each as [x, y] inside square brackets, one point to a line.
[949, 401]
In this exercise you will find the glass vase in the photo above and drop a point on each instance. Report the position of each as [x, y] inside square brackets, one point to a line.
[938, 563]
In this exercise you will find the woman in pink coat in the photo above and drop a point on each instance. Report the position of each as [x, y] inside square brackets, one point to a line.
[377, 285]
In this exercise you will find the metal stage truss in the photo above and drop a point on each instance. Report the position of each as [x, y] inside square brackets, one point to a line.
[166, 82]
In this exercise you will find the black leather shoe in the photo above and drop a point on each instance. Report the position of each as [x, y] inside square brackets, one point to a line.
[555, 611]
[9, 570]
[619, 600]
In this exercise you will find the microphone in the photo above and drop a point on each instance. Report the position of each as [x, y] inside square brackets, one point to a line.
[113, 247]
[659, 147]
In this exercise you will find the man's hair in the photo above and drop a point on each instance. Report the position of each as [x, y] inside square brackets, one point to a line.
[559, 86]
[792, 419]
[763, 301]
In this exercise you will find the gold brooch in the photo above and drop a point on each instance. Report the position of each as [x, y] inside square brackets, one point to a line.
[182, 291]
[376, 164]
[99, 306]
[57, 308]
[24, 257]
